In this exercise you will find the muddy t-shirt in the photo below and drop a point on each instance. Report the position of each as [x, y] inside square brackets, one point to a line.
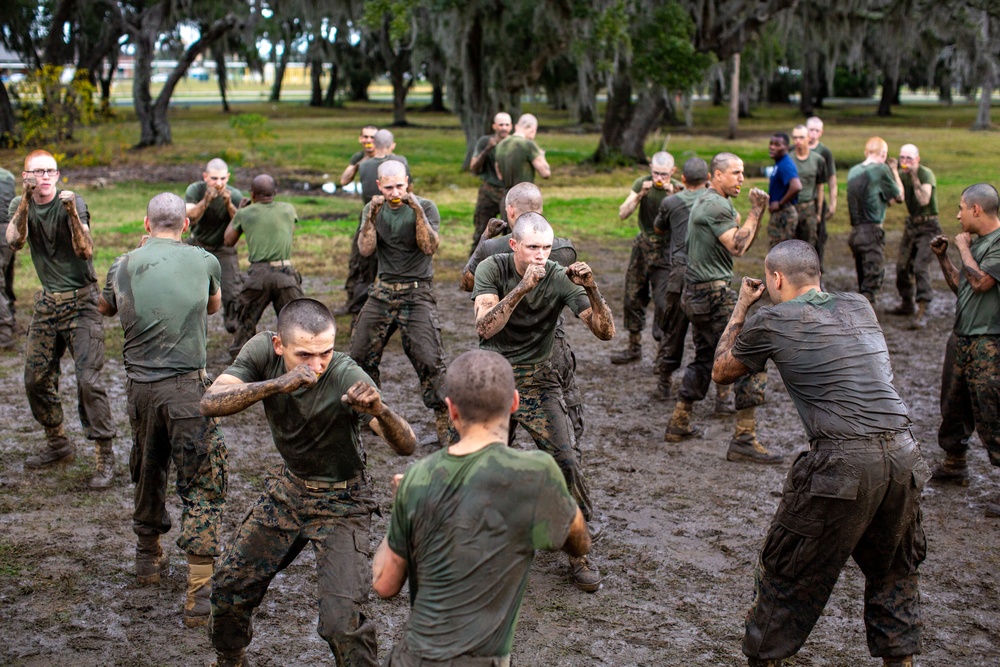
[8, 190]
[316, 434]
[468, 527]
[563, 252]
[527, 336]
[712, 215]
[870, 187]
[210, 228]
[978, 313]
[400, 260]
[513, 156]
[161, 292]
[833, 360]
[268, 228]
[51, 243]
[672, 221]
[913, 207]
[812, 171]
[357, 157]
[368, 175]
[649, 205]
[489, 172]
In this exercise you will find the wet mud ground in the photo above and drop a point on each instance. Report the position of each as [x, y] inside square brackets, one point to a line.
[682, 526]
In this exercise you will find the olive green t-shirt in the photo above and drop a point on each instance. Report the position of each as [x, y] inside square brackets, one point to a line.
[268, 228]
[210, 228]
[513, 156]
[913, 207]
[870, 187]
[316, 434]
[712, 215]
[527, 336]
[400, 260]
[161, 292]
[978, 313]
[827, 155]
[468, 527]
[368, 175]
[489, 172]
[357, 157]
[833, 359]
[8, 190]
[649, 205]
[812, 171]
[51, 244]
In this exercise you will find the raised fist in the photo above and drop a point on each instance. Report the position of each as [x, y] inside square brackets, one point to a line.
[300, 376]
[939, 245]
[364, 397]
[581, 274]
[68, 200]
[759, 199]
[495, 227]
[533, 275]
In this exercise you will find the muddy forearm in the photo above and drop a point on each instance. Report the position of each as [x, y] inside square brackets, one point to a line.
[367, 238]
[197, 211]
[396, 432]
[220, 401]
[602, 322]
[979, 280]
[17, 230]
[496, 317]
[427, 239]
[746, 234]
[949, 271]
[83, 245]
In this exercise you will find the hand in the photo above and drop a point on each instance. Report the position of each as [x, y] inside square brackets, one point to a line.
[581, 274]
[963, 240]
[376, 205]
[396, 479]
[494, 140]
[751, 290]
[892, 163]
[142, 241]
[300, 376]
[210, 194]
[831, 210]
[939, 245]
[364, 397]
[774, 206]
[226, 195]
[646, 187]
[29, 186]
[68, 199]
[533, 275]
[495, 227]
[410, 200]
[759, 199]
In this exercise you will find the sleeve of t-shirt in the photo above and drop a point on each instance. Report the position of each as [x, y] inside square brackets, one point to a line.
[534, 150]
[930, 178]
[787, 171]
[108, 293]
[753, 346]
[356, 158]
[721, 220]
[555, 508]
[398, 535]
[235, 196]
[481, 146]
[14, 203]
[82, 211]
[991, 261]
[252, 359]
[831, 164]
[637, 185]
[487, 278]
[431, 213]
[191, 194]
[214, 274]
[237, 221]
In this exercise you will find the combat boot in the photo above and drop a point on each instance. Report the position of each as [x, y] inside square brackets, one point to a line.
[744, 446]
[198, 605]
[920, 318]
[58, 449]
[663, 388]
[237, 658]
[586, 577]
[679, 426]
[905, 307]
[104, 465]
[954, 470]
[150, 562]
[905, 661]
[633, 352]
[724, 401]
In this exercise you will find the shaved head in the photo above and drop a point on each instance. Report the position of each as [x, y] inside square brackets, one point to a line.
[814, 122]
[383, 140]
[984, 196]
[530, 223]
[480, 385]
[722, 161]
[908, 150]
[216, 164]
[527, 122]
[166, 211]
[876, 146]
[263, 186]
[662, 159]
[695, 171]
[524, 198]
[502, 117]
[796, 260]
[306, 315]
[391, 168]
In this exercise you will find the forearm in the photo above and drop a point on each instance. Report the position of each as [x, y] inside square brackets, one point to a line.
[366, 237]
[732, 330]
[602, 322]
[427, 239]
[726, 369]
[949, 271]
[920, 193]
[396, 432]
[746, 234]
[220, 401]
[477, 163]
[386, 580]
[495, 319]
[83, 245]
[197, 211]
[832, 204]
[627, 208]
[17, 230]
[348, 174]
[789, 196]
[979, 280]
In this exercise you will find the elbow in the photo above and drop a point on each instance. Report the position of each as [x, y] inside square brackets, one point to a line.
[468, 281]
[483, 331]
[208, 407]
[607, 333]
[384, 589]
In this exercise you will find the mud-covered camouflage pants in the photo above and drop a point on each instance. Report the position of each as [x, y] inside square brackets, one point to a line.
[564, 366]
[489, 204]
[361, 273]
[674, 326]
[57, 325]
[264, 285]
[915, 257]
[970, 395]
[167, 425]
[287, 517]
[808, 226]
[708, 311]
[783, 225]
[542, 413]
[413, 311]
[860, 499]
[232, 280]
[645, 282]
[867, 242]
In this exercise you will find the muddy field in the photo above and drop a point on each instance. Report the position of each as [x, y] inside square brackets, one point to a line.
[683, 526]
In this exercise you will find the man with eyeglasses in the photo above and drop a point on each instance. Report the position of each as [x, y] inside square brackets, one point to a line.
[648, 267]
[55, 223]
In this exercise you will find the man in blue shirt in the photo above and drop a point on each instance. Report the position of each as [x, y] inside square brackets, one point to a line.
[783, 191]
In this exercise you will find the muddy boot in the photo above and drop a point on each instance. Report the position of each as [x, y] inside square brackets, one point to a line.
[631, 353]
[198, 606]
[744, 446]
[58, 449]
[663, 388]
[150, 562]
[904, 308]
[237, 658]
[905, 661]
[586, 577]
[954, 470]
[104, 465]
[725, 404]
[920, 318]
[679, 426]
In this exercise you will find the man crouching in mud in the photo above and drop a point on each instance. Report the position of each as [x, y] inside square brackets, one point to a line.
[856, 492]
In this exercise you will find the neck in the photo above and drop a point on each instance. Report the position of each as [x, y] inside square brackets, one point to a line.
[260, 199]
[814, 144]
[477, 436]
[166, 234]
[39, 198]
[379, 153]
[802, 152]
[869, 160]
[712, 186]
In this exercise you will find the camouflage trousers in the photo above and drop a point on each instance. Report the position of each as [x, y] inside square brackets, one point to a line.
[674, 325]
[915, 257]
[843, 499]
[403, 656]
[867, 242]
[645, 282]
[783, 225]
[808, 227]
[167, 425]
[489, 204]
[361, 273]
[542, 413]
[563, 363]
[57, 325]
[970, 395]
[286, 518]
[708, 311]
[264, 285]
[413, 311]
[232, 280]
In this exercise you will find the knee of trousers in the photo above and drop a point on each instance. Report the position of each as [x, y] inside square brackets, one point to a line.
[228, 631]
[340, 620]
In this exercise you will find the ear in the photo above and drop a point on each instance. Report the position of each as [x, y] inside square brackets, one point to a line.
[452, 411]
[276, 343]
[516, 403]
[145, 224]
[187, 225]
[512, 243]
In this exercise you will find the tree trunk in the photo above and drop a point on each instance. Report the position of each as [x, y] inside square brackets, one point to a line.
[398, 69]
[689, 110]
[944, 89]
[888, 94]
[220, 71]
[734, 97]
[586, 100]
[280, 65]
[330, 100]
[806, 99]
[437, 98]
[145, 42]
[718, 90]
[985, 101]
[617, 115]
[316, 76]
[8, 122]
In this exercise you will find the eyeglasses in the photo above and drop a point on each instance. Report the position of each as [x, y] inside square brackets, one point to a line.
[43, 172]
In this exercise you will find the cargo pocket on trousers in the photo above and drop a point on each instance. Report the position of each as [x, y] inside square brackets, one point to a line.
[188, 428]
[921, 473]
[792, 545]
[842, 487]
